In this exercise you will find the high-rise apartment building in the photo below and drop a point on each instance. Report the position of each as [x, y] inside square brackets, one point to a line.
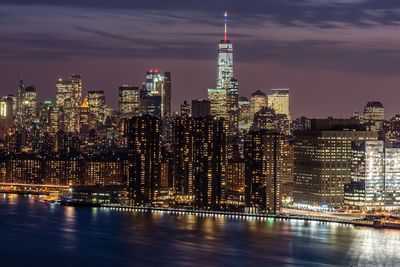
[266, 163]
[182, 130]
[144, 156]
[199, 160]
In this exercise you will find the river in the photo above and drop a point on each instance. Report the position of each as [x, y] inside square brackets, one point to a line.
[34, 233]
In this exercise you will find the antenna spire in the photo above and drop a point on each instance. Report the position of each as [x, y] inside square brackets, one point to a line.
[226, 26]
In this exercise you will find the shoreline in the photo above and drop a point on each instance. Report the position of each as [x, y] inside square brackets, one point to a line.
[230, 214]
[240, 215]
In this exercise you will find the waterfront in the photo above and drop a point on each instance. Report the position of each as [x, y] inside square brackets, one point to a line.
[33, 231]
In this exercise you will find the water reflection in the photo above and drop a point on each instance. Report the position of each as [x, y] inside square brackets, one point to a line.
[66, 236]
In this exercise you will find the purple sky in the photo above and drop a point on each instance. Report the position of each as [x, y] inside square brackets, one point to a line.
[334, 55]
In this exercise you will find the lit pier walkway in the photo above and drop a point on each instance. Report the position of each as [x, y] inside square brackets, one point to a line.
[34, 189]
[238, 215]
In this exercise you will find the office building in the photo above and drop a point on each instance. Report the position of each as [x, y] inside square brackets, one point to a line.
[374, 115]
[322, 161]
[278, 100]
[6, 115]
[156, 94]
[244, 114]
[68, 101]
[97, 104]
[129, 101]
[375, 176]
[258, 100]
[225, 59]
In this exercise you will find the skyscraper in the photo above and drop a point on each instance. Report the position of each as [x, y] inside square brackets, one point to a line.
[97, 104]
[218, 102]
[157, 93]
[68, 100]
[200, 159]
[258, 100]
[266, 163]
[129, 100]
[6, 115]
[19, 104]
[182, 130]
[29, 106]
[84, 117]
[279, 101]
[244, 114]
[225, 59]
[185, 109]
[224, 98]
[233, 107]
[144, 152]
[374, 115]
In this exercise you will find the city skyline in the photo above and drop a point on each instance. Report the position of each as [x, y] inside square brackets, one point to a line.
[289, 50]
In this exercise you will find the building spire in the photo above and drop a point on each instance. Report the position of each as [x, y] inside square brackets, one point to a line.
[226, 27]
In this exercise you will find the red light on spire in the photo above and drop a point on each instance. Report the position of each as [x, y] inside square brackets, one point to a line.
[226, 27]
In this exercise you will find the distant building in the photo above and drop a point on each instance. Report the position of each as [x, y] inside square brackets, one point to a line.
[279, 101]
[68, 101]
[258, 101]
[233, 107]
[225, 60]
[85, 117]
[201, 108]
[6, 115]
[97, 105]
[218, 102]
[185, 109]
[29, 106]
[129, 101]
[244, 114]
[391, 130]
[157, 93]
[374, 115]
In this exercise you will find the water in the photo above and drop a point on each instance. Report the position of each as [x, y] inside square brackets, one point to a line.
[33, 233]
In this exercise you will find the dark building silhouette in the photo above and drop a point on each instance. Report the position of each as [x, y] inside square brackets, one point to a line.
[144, 155]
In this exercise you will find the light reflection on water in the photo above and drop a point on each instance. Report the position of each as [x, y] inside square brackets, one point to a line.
[33, 231]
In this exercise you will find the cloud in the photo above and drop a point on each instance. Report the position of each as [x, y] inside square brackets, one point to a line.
[301, 33]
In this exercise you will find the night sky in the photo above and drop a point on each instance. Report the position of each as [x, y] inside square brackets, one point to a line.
[334, 55]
